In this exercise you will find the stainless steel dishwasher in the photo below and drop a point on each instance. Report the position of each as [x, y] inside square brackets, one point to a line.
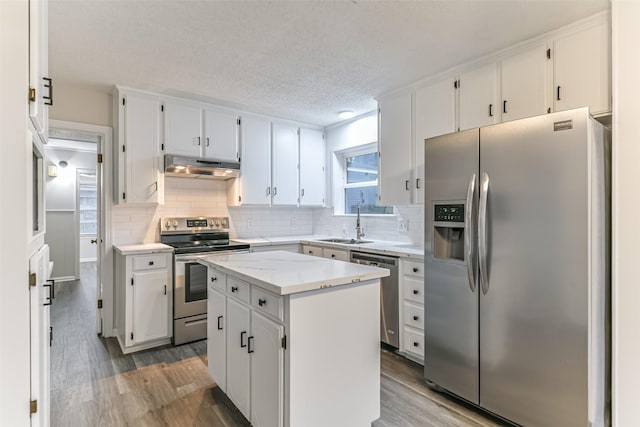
[389, 316]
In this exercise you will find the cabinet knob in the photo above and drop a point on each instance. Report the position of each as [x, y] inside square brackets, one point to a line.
[333, 255]
[261, 302]
[415, 344]
[416, 292]
[415, 269]
[213, 279]
[234, 289]
[416, 318]
[150, 262]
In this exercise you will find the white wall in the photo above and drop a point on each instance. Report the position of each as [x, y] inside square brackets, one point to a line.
[625, 206]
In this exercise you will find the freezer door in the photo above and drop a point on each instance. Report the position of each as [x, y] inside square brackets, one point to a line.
[451, 295]
[534, 301]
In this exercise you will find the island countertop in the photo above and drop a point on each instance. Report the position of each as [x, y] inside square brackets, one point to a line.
[285, 273]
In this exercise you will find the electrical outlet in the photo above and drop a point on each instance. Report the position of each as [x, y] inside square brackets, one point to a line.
[403, 225]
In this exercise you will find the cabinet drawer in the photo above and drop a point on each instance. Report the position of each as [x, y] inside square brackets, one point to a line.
[311, 250]
[149, 262]
[216, 280]
[414, 289]
[238, 289]
[413, 316]
[336, 254]
[413, 268]
[414, 343]
[267, 302]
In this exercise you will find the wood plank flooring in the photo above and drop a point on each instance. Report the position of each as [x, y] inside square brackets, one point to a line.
[94, 384]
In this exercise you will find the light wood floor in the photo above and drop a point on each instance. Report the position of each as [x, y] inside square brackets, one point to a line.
[94, 384]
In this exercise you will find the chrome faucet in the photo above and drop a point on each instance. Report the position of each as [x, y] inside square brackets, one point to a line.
[359, 230]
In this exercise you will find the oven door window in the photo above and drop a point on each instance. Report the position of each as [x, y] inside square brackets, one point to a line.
[195, 282]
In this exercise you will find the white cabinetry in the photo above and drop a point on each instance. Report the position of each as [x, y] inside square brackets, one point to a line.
[312, 167]
[582, 70]
[331, 253]
[220, 135]
[238, 359]
[182, 128]
[289, 247]
[216, 343]
[144, 300]
[137, 119]
[394, 165]
[40, 85]
[284, 170]
[524, 84]
[412, 309]
[479, 97]
[434, 113]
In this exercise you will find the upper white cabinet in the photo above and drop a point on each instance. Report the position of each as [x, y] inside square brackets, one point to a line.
[479, 97]
[194, 130]
[394, 166]
[524, 84]
[582, 70]
[221, 135]
[40, 85]
[284, 171]
[312, 167]
[137, 119]
[182, 128]
[434, 114]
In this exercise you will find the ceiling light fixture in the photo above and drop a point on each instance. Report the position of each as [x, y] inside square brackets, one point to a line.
[346, 114]
[63, 164]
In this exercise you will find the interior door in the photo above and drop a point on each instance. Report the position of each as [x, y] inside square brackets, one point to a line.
[450, 291]
[534, 301]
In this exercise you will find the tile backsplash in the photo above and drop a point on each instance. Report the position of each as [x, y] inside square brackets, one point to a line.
[194, 197]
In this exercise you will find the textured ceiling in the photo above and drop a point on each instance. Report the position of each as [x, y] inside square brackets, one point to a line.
[302, 60]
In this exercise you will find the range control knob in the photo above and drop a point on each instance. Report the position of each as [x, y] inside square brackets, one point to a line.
[168, 224]
[175, 224]
[217, 223]
[211, 223]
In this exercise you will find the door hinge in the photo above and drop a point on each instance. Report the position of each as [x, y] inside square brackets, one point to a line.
[549, 53]
[100, 303]
[50, 336]
[284, 342]
[123, 149]
[162, 147]
[124, 196]
[99, 157]
[132, 336]
[32, 95]
[132, 281]
[239, 121]
[455, 84]
[33, 407]
[123, 101]
[239, 198]
[548, 110]
[162, 108]
[32, 279]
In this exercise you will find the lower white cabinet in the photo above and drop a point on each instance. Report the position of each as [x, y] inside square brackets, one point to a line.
[412, 309]
[144, 311]
[331, 253]
[216, 342]
[289, 247]
[238, 357]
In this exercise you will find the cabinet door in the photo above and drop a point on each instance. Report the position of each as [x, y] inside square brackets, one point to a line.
[39, 66]
[336, 254]
[182, 129]
[140, 130]
[312, 168]
[150, 304]
[581, 70]
[284, 166]
[479, 97]
[221, 135]
[216, 340]
[238, 358]
[394, 167]
[255, 162]
[267, 372]
[434, 114]
[524, 84]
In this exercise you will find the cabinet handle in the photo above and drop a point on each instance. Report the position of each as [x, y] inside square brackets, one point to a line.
[156, 184]
[207, 141]
[242, 334]
[415, 269]
[417, 183]
[406, 184]
[302, 192]
[220, 327]
[150, 262]
[268, 190]
[234, 289]
[213, 279]
[198, 141]
[415, 318]
[415, 292]
[490, 110]
[48, 100]
[415, 344]
[275, 190]
[558, 93]
[504, 107]
[165, 289]
[249, 349]
[261, 302]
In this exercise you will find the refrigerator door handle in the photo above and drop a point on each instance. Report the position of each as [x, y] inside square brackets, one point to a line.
[469, 233]
[482, 232]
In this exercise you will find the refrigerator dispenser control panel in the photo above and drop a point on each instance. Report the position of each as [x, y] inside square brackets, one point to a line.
[449, 213]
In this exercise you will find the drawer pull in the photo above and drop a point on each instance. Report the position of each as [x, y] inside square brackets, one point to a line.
[213, 279]
[416, 292]
[415, 269]
[261, 302]
[416, 318]
[415, 344]
[150, 262]
[249, 349]
[234, 289]
[242, 334]
[219, 326]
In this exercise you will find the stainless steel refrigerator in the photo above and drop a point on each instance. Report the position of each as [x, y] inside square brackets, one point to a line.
[516, 268]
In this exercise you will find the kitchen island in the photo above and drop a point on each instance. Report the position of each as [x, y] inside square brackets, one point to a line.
[294, 340]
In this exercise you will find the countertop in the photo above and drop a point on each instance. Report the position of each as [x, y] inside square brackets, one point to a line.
[285, 273]
[145, 248]
[400, 249]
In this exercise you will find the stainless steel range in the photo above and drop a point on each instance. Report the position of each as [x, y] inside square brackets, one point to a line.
[193, 238]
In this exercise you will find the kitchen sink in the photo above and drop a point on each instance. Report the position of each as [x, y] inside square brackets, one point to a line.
[345, 241]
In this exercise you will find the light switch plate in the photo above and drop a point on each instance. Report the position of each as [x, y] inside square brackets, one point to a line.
[403, 224]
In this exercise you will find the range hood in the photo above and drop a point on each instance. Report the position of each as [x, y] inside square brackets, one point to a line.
[193, 167]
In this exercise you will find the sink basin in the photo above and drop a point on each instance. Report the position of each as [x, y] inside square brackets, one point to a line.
[345, 241]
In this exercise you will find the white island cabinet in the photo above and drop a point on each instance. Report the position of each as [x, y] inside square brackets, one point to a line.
[294, 340]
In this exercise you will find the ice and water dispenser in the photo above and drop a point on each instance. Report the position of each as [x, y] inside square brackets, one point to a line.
[448, 231]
